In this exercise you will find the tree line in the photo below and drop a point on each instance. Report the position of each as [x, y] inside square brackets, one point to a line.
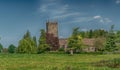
[28, 44]
[94, 33]
[104, 41]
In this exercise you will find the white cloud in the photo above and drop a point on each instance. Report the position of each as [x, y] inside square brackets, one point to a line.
[67, 15]
[107, 20]
[61, 10]
[79, 19]
[57, 10]
[97, 17]
[117, 1]
[43, 8]
[83, 19]
[46, 7]
[102, 19]
[52, 8]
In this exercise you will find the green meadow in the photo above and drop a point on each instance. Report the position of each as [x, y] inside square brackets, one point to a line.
[53, 61]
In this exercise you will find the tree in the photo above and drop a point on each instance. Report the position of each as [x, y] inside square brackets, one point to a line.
[99, 44]
[110, 45]
[27, 35]
[11, 48]
[1, 48]
[5, 50]
[34, 39]
[82, 34]
[75, 41]
[91, 33]
[42, 46]
[27, 44]
[118, 37]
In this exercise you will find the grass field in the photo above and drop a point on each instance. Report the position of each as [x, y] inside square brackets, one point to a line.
[53, 61]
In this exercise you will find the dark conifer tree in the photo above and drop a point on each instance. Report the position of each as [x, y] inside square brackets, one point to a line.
[110, 45]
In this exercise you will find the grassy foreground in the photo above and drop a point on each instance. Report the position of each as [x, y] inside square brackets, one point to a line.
[53, 61]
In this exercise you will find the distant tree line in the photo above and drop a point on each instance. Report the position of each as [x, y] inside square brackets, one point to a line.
[28, 44]
[94, 33]
[105, 41]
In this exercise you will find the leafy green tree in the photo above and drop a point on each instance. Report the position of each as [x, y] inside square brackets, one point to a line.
[110, 45]
[11, 48]
[42, 46]
[27, 44]
[27, 35]
[1, 48]
[75, 40]
[99, 44]
[34, 39]
[118, 37]
[82, 34]
[91, 33]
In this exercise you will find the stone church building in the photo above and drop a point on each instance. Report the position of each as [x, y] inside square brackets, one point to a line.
[56, 42]
[52, 35]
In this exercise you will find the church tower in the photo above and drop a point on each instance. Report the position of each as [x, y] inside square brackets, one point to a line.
[52, 28]
[52, 35]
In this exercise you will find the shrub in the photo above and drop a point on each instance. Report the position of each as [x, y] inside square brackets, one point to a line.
[61, 49]
[11, 48]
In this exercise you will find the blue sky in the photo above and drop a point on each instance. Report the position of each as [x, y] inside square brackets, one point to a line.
[18, 16]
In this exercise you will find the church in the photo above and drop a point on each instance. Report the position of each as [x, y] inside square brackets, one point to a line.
[56, 42]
